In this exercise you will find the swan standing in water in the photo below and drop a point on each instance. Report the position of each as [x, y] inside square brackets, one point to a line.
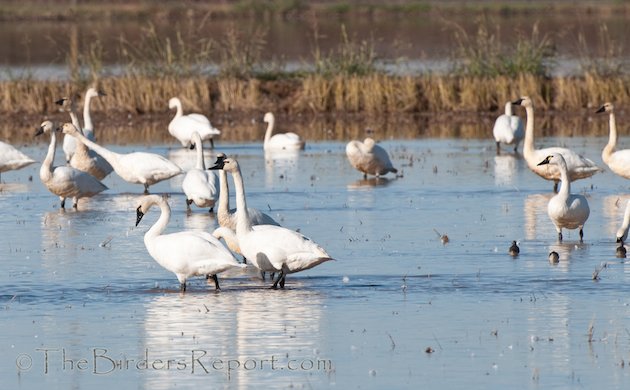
[578, 167]
[508, 129]
[566, 210]
[12, 159]
[369, 158]
[617, 161]
[199, 185]
[270, 248]
[182, 126]
[282, 141]
[82, 158]
[622, 233]
[64, 181]
[137, 167]
[69, 143]
[187, 253]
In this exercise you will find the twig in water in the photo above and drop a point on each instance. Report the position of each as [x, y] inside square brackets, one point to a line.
[437, 341]
[392, 340]
[443, 237]
[599, 270]
[106, 242]
[590, 331]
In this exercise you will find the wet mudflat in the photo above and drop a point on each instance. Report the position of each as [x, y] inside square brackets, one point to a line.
[83, 305]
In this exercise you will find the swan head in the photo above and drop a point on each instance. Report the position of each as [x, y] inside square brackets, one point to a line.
[220, 163]
[174, 103]
[66, 103]
[524, 101]
[45, 127]
[369, 142]
[226, 164]
[268, 118]
[93, 92]
[68, 128]
[607, 107]
[145, 203]
[553, 159]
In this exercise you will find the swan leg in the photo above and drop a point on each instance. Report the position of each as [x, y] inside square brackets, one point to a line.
[63, 202]
[275, 284]
[211, 210]
[211, 143]
[188, 203]
[182, 287]
[560, 236]
[191, 147]
[216, 282]
[146, 188]
[75, 203]
[555, 187]
[262, 275]
[581, 235]
[498, 148]
[284, 276]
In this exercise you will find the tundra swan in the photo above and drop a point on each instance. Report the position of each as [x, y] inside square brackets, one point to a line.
[508, 129]
[282, 141]
[369, 158]
[65, 181]
[137, 167]
[618, 161]
[12, 159]
[270, 248]
[578, 167]
[566, 210]
[69, 143]
[200, 185]
[182, 126]
[187, 253]
[622, 233]
[82, 158]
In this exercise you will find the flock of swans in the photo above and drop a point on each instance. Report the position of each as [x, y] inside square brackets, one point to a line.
[248, 232]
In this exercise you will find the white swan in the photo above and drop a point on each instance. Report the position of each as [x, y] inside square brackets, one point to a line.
[566, 210]
[187, 253]
[578, 167]
[182, 126]
[69, 143]
[64, 181]
[508, 129]
[618, 161]
[84, 159]
[270, 248]
[369, 158]
[138, 167]
[622, 233]
[283, 141]
[12, 159]
[200, 185]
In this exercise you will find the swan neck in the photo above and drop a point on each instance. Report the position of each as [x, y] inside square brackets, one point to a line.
[179, 110]
[87, 118]
[269, 131]
[200, 163]
[508, 109]
[45, 171]
[565, 188]
[159, 226]
[612, 138]
[224, 196]
[626, 216]
[243, 223]
[528, 143]
[109, 156]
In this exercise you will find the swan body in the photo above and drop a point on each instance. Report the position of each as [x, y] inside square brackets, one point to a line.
[508, 129]
[369, 158]
[69, 143]
[12, 159]
[618, 161]
[182, 126]
[64, 181]
[578, 167]
[622, 233]
[283, 141]
[186, 253]
[200, 185]
[566, 210]
[270, 248]
[82, 158]
[138, 167]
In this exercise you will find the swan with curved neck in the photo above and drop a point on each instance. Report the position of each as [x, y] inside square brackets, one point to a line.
[199, 185]
[64, 181]
[369, 158]
[622, 233]
[69, 143]
[578, 167]
[182, 126]
[283, 141]
[137, 167]
[618, 161]
[566, 210]
[186, 253]
[270, 248]
[82, 158]
[508, 129]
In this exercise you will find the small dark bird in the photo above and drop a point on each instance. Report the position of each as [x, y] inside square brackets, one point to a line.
[514, 250]
[554, 257]
[621, 252]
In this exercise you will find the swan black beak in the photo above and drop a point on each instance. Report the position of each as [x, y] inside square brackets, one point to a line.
[39, 131]
[101, 93]
[517, 102]
[219, 164]
[619, 239]
[60, 101]
[139, 215]
[545, 161]
[601, 109]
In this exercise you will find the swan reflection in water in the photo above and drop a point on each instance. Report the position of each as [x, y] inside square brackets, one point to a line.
[248, 324]
[537, 221]
[505, 168]
[614, 209]
[371, 182]
[281, 164]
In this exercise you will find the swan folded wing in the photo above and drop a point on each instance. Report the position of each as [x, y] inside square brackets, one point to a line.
[384, 162]
[199, 184]
[516, 124]
[619, 162]
[185, 252]
[257, 217]
[578, 167]
[72, 182]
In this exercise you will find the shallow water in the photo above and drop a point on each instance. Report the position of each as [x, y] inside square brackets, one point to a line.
[83, 305]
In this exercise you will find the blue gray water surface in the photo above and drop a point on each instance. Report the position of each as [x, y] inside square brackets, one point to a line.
[83, 305]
